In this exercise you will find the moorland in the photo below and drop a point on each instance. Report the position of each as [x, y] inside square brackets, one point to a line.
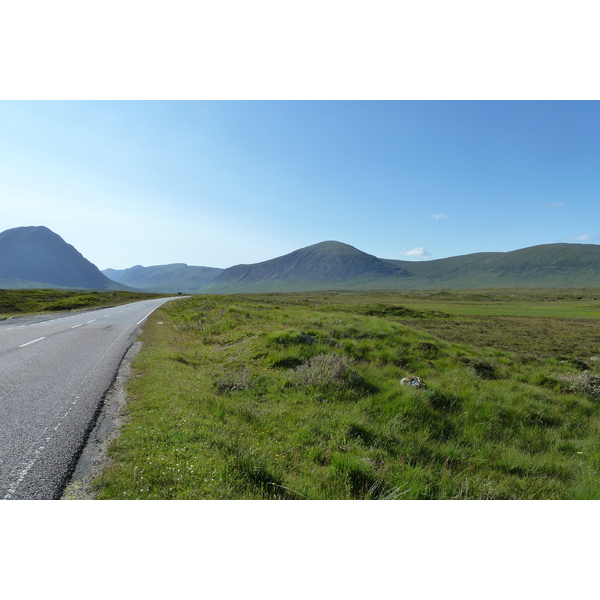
[22, 302]
[300, 396]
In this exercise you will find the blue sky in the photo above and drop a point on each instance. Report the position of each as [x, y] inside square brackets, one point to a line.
[220, 183]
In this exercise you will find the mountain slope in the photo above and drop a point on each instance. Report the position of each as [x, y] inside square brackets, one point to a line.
[325, 265]
[333, 265]
[546, 265]
[177, 277]
[35, 257]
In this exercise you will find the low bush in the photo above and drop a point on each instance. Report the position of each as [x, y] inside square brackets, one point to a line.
[584, 383]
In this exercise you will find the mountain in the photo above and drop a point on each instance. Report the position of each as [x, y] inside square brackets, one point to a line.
[333, 265]
[35, 257]
[327, 265]
[546, 265]
[177, 277]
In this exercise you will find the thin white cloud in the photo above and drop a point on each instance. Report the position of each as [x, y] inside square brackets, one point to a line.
[439, 216]
[584, 237]
[417, 253]
[554, 204]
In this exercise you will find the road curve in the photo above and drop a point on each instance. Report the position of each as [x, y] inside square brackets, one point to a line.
[53, 375]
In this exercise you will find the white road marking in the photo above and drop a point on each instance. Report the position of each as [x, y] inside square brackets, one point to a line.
[23, 473]
[146, 316]
[74, 326]
[32, 342]
[91, 321]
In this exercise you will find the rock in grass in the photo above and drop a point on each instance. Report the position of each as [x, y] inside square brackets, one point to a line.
[415, 382]
[306, 339]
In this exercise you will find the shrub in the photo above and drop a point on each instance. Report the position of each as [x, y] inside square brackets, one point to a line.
[328, 372]
[585, 383]
[323, 370]
[233, 381]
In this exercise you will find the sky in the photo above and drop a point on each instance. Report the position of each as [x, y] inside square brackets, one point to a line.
[218, 183]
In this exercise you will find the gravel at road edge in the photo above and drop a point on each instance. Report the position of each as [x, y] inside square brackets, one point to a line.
[107, 428]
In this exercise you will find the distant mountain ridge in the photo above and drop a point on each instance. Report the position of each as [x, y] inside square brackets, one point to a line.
[36, 257]
[164, 278]
[546, 265]
[333, 265]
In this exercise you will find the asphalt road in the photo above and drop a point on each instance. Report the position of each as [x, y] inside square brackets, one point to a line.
[54, 372]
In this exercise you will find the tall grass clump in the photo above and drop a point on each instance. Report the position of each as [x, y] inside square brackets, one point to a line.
[331, 374]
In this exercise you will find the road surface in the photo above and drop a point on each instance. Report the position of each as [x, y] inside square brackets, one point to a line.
[54, 372]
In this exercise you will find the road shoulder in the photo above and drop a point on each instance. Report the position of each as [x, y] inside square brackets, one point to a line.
[108, 425]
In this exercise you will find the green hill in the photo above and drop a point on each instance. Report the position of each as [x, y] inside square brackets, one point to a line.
[548, 265]
[333, 265]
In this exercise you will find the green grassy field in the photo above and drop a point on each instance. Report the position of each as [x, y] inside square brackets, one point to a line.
[299, 396]
[19, 302]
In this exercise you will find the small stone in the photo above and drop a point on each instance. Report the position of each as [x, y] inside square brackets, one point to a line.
[415, 382]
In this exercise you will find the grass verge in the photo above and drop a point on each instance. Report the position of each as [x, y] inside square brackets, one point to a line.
[21, 302]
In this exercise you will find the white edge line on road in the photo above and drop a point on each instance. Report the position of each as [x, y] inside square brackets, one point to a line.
[32, 342]
[23, 473]
[146, 316]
